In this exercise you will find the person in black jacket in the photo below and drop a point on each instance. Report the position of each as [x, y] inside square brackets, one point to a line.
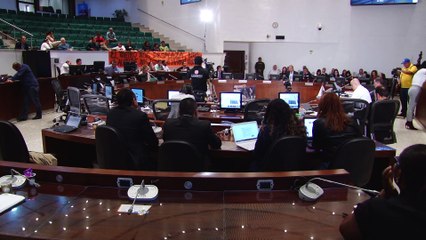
[22, 44]
[135, 128]
[199, 77]
[332, 128]
[190, 129]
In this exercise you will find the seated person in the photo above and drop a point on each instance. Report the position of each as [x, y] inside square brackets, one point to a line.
[100, 41]
[45, 46]
[378, 82]
[190, 129]
[146, 76]
[119, 47]
[164, 47]
[183, 68]
[381, 94]
[185, 92]
[156, 47]
[93, 45]
[279, 121]
[111, 69]
[218, 73]
[159, 66]
[165, 67]
[332, 128]
[135, 128]
[51, 40]
[65, 68]
[393, 215]
[22, 44]
[64, 45]
[146, 46]
[129, 46]
[360, 92]
[274, 71]
[307, 76]
[110, 35]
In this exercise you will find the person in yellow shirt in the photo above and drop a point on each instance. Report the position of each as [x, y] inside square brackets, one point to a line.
[406, 77]
[164, 47]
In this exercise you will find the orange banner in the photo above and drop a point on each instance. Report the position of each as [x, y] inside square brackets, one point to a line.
[173, 59]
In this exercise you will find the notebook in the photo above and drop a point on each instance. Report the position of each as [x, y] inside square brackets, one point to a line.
[8, 200]
[72, 123]
[245, 134]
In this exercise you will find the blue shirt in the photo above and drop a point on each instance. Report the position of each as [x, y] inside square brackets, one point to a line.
[109, 70]
[64, 46]
[26, 76]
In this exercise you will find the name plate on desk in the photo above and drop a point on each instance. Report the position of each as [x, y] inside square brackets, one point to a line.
[221, 81]
[180, 81]
[267, 82]
[242, 81]
[309, 84]
[160, 82]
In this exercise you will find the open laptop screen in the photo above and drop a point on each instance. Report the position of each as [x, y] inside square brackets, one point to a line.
[73, 120]
[230, 100]
[245, 131]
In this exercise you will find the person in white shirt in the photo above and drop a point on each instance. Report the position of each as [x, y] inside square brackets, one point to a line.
[159, 66]
[119, 47]
[185, 92]
[274, 71]
[414, 92]
[65, 68]
[165, 67]
[360, 92]
[45, 46]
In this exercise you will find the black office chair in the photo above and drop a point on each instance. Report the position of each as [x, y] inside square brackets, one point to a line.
[180, 156]
[392, 91]
[285, 154]
[12, 145]
[96, 104]
[357, 157]
[74, 99]
[163, 107]
[358, 109]
[111, 151]
[255, 110]
[381, 121]
[61, 98]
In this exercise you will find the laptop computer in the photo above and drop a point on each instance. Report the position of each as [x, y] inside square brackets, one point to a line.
[309, 124]
[245, 134]
[71, 124]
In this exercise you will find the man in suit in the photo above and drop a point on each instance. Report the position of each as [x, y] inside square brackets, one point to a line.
[190, 129]
[22, 44]
[135, 128]
[30, 89]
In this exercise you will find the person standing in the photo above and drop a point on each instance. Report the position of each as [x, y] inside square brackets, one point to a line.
[30, 90]
[199, 77]
[414, 92]
[406, 77]
[259, 68]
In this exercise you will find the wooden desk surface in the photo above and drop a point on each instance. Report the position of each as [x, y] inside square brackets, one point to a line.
[73, 210]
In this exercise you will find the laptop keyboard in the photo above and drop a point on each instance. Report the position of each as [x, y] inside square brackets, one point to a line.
[64, 128]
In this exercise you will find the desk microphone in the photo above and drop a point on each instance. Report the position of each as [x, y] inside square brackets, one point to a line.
[311, 191]
[30, 180]
[170, 75]
[141, 187]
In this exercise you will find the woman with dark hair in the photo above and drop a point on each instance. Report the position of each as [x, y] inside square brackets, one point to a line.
[373, 75]
[279, 121]
[335, 73]
[332, 128]
[394, 214]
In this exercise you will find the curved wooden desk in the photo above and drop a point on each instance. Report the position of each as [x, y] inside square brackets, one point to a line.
[84, 206]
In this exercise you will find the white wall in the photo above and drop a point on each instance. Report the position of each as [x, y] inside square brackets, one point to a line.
[8, 57]
[8, 4]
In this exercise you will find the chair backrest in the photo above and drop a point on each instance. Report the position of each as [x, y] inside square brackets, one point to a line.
[12, 145]
[285, 154]
[180, 156]
[255, 110]
[381, 121]
[96, 104]
[357, 157]
[163, 107]
[110, 149]
[74, 99]
[360, 110]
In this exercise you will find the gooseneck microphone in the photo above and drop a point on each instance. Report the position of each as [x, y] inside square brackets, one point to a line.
[311, 191]
[141, 187]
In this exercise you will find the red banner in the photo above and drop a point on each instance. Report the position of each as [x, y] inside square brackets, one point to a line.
[173, 59]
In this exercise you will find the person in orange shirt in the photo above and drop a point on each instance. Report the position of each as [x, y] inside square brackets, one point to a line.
[406, 77]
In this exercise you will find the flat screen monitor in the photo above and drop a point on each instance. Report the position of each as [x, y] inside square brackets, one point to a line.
[291, 98]
[139, 93]
[320, 78]
[77, 69]
[108, 91]
[364, 81]
[250, 76]
[231, 100]
[94, 88]
[130, 66]
[227, 76]
[382, 2]
[182, 2]
[98, 66]
[297, 77]
[274, 76]
[340, 81]
[171, 94]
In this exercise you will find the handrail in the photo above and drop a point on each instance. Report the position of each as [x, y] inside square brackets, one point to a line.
[20, 29]
[159, 19]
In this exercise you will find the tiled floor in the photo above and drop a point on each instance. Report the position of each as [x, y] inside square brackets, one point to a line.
[31, 130]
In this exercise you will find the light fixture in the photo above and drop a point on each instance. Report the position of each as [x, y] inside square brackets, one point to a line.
[206, 15]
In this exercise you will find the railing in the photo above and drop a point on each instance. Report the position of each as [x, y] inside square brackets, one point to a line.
[171, 25]
[19, 29]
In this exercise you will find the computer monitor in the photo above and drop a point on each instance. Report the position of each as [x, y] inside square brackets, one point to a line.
[340, 81]
[291, 98]
[130, 66]
[98, 66]
[109, 92]
[231, 100]
[297, 77]
[274, 76]
[94, 88]
[320, 79]
[77, 69]
[250, 76]
[364, 81]
[139, 93]
[172, 93]
[227, 76]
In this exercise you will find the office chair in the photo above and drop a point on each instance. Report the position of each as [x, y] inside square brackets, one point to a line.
[111, 151]
[381, 120]
[180, 156]
[162, 108]
[61, 99]
[12, 145]
[255, 110]
[357, 157]
[285, 154]
[358, 109]
[96, 104]
[74, 100]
